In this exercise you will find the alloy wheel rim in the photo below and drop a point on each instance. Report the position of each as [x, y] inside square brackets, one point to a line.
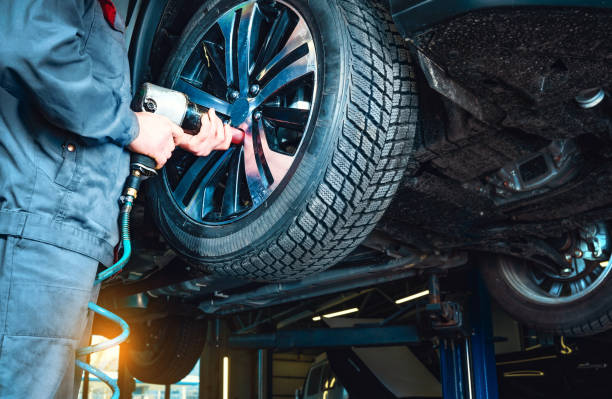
[257, 66]
[549, 289]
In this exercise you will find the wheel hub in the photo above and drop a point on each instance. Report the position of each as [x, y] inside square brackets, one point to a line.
[240, 111]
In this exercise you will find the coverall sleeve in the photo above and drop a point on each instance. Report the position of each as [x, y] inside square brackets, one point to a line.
[42, 60]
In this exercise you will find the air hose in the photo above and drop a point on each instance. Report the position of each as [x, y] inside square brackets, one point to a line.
[155, 99]
[140, 168]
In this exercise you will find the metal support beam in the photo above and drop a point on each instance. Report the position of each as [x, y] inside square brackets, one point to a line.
[483, 351]
[468, 365]
[452, 369]
[329, 282]
[329, 338]
[261, 374]
[125, 381]
[211, 359]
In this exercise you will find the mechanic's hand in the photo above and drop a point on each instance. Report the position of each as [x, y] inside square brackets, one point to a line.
[156, 137]
[213, 135]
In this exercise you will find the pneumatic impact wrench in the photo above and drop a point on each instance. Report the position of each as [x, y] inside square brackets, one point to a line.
[176, 107]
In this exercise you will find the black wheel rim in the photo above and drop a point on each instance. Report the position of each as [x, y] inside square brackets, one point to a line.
[257, 67]
[586, 273]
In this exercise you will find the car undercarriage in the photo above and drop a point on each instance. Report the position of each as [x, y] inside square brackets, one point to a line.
[408, 149]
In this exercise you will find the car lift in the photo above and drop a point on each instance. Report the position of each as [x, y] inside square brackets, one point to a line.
[467, 359]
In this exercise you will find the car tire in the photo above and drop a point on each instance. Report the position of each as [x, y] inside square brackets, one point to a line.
[587, 315]
[165, 351]
[352, 161]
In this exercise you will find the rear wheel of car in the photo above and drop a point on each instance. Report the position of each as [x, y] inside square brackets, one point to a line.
[575, 301]
[164, 351]
[326, 98]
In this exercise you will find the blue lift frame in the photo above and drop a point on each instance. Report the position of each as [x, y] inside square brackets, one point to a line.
[467, 367]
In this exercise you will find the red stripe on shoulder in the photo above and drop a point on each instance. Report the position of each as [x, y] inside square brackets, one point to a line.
[109, 11]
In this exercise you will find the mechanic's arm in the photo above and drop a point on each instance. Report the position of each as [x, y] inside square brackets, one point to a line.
[45, 63]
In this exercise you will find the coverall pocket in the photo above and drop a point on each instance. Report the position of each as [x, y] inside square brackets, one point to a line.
[66, 173]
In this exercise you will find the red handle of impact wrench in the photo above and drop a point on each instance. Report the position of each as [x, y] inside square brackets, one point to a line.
[237, 136]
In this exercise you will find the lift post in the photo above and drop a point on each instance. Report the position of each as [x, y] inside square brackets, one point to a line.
[481, 342]
[452, 370]
[467, 366]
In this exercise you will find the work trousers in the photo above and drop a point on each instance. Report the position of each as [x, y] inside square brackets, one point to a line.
[44, 292]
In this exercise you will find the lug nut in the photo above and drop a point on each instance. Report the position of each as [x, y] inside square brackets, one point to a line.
[566, 271]
[233, 94]
[257, 115]
[254, 90]
[568, 258]
[578, 253]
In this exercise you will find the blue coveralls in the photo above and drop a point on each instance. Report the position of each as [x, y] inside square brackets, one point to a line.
[64, 123]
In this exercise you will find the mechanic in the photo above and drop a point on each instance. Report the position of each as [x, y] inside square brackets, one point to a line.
[65, 128]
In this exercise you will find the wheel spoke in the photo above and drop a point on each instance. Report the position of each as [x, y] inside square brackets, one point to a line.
[596, 272]
[296, 70]
[194, 191]
[291, 118]
[300, 39]
[205, 204]
[185, 189]
[257, 180]
[555, 289]
[273, 42]
[574, 288]
[278, 164]
[202, 98]
[244, 48]
[214, 62]
[227, 23]
[195, 206]
[538, 278]
[231, 196]
[255, 32]
[579, 265]
[193, 68]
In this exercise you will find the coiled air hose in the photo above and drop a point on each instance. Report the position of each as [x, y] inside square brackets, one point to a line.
[130, 193]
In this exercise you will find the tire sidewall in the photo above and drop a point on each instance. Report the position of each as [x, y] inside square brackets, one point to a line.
[278, 211]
